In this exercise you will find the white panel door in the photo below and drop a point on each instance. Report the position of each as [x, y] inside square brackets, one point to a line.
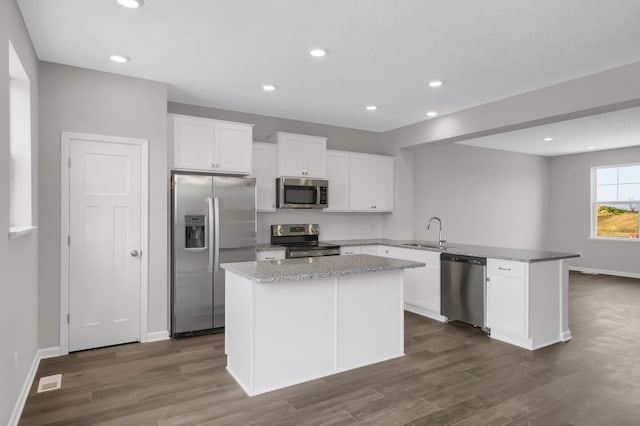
[315, 158]
[291, 153]
[359, 178]
[105, 216]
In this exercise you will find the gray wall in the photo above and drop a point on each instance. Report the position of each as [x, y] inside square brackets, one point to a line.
[79, 100]
[483, 196]
[18, 257]
[332, 225]
[570, 201]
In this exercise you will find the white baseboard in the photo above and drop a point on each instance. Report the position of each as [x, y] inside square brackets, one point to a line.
[604, 272]
[28, 381]
[157, 336]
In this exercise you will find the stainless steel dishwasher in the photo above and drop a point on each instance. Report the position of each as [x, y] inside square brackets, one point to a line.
[463, 289]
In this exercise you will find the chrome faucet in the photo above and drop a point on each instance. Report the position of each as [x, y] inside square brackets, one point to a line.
[441, 240]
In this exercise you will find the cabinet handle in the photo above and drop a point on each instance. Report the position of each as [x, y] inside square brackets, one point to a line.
[504, 269]
[269, 258]
[488, 279]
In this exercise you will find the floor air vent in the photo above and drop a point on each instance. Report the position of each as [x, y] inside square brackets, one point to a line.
[50, 383]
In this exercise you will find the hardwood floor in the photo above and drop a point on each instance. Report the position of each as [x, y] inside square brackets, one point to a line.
[451, 375]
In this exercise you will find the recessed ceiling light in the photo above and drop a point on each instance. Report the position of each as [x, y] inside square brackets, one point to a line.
[590, 147]
[547, 139]
[371, 107]
[435, 83]
[268, 87]
[131, 4]
[432, 114]
[121, 59]
[318, 53]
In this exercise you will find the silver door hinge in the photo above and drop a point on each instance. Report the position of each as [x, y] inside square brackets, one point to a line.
[69, 162]
[68, 318]
[68, 240]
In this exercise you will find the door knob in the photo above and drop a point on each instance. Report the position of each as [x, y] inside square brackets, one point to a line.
[135, 253]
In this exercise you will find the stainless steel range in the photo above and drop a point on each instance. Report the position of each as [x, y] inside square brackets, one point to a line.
[301, 240]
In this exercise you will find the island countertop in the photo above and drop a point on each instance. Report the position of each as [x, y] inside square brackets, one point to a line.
[270, 271]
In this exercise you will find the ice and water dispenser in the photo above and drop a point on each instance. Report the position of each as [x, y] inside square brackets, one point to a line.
[194, 228]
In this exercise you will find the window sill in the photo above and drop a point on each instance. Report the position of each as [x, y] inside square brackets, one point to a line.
[19, 231]
[615, 239]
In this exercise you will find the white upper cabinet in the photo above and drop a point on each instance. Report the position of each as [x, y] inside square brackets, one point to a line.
[338, 176]
[211, 145]
[301, 155]
[371, 182]
[265, 159]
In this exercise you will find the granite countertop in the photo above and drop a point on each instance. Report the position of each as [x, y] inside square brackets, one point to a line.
[270, 271]
[518, 255]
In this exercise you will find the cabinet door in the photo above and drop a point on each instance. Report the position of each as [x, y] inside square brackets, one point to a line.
[338, 176]
[264, 170]
[315, 158]
[233, 143]
[291, 152]
[359, 178]
[382, 183]
[507, 297]
[193, 142]
[421, 285]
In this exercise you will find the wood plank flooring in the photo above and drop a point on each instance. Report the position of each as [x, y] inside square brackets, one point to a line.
[451, 375]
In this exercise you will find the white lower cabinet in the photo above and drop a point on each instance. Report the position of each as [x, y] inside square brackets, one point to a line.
[421, 285]
[523, 302]
[270, 255]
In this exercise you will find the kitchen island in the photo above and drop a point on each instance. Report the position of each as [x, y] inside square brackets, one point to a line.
[294, 320]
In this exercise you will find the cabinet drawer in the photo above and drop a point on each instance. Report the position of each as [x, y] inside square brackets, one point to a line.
[506, 268]
[270, 255]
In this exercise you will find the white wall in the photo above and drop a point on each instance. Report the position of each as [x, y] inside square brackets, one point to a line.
[80, 100]
[570, 200]
[483, 196]
[18, 257]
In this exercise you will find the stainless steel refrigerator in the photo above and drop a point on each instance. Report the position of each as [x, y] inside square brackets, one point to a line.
[213, 222]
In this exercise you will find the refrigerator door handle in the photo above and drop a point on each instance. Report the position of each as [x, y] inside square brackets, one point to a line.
[216, 227]
[210, 234]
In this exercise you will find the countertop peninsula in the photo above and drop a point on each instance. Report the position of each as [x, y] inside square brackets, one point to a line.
[518, 255]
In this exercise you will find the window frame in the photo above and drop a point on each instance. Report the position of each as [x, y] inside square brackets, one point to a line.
[594, 203]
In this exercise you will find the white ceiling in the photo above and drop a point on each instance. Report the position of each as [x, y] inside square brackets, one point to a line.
[605, 131]
[220, 52]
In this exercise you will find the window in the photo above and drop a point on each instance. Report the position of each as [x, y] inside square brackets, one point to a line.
[615, 201]
[20, 147]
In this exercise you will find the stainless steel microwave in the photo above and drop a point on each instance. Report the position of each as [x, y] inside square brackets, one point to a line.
[300, 193]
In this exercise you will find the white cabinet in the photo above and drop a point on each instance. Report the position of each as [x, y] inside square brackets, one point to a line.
[270, 254]
[384, 251]
[371, 180]
[338, 176]
[368, 249]
[211, 145]
[301, 155]
[265, 159]
[507, 307]
[421, 285]
[525, 303]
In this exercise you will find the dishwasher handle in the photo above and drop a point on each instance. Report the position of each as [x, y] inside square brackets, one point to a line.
[474, 260]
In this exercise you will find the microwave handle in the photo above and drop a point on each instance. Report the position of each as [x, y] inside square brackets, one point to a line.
[318, 195]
